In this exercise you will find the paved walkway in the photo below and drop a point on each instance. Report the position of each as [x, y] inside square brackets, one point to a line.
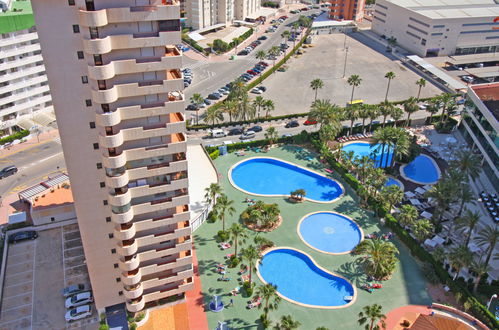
[195, 305]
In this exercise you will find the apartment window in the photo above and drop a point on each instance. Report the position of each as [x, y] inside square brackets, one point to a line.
[118, 279]
[120, 293]
[98, 59]
[99, 166]
[423, 42]
[76, 29]
[115, 265]
[384, 7]
[94, 33]
[379, 19]
[419, 22]
[415, 28]
[91, 124]
[88, 103]
[84, 79]
[436, 34]
[438, 26]
[105, 107]
[413, 35]
[102, 184]
[113, 251]
[90, 5]
[104, 202]
[80, 55]
[110, 236]
[96, 146]
[479, 24]
[71, 2]
[479, 31]
[169, 25]
[101, 84]
[108, 219]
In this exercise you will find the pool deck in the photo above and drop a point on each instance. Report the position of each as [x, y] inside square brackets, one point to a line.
[407, 286]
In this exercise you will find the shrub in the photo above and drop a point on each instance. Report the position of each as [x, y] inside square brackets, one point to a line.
[222, 236]
[103, 326]
[214, 155]
[233, 262]
[212, 217]
[248, 288]
[133, 326]
[16, 136]
[140, 317]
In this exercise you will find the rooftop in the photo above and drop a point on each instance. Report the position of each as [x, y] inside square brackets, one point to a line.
[19, 17]
[58, 197]
[442, 9]
[489, 95]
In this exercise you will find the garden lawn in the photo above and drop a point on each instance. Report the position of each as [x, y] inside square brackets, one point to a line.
[407, 286]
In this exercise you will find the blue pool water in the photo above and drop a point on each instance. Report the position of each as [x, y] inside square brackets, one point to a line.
[361, 149]
[299, 279]
[330, 232]
[266, 176]
[422, 170]
[393, 182]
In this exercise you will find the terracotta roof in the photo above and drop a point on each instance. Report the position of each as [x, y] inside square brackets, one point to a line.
[437, 322]
[59, 197]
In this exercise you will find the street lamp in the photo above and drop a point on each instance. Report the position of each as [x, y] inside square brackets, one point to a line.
[345, 65]
[494, 296]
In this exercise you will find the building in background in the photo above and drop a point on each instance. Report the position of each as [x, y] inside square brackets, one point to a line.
[25, 99]
[205, 14]
[439, 27]
[117, 88]
[480, 126]
[350, 10]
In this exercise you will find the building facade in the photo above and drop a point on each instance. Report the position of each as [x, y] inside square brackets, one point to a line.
[439, 27]
[350, 10]
[202, 14]
[118, 96]
[25, 99]
[480, 126]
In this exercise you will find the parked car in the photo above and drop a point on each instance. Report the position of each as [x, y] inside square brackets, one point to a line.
[460, 101]
[216, 133]
[247, 135]
[262, 88]
[263, 63]
[235, 131]
[256, 91]
[192, 107]
[78, 313]
[207, 102]
[256, 129]
[214, 96]
[72, 289]
[422, 106]
[468, 79]
[242, 53]
[310, 122]
[82, 298]
[22, 236]
[263, 38]
[292, 123]
[8, 171]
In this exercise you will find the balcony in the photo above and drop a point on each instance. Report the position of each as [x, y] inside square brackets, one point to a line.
[135, 305]
[157, 169]
[157, 151]
[158, 253]
[119, 199]
[161, 221]
[148, 190]
[124, 231]
[133, 291]
[117, 181]
[129, 263]
[157, 238]
[175, 277]
[161, 267]
[168, 291]
[162, 204]
[127, 247]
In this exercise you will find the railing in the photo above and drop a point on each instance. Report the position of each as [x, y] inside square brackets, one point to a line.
[143, 8]
[145, 34]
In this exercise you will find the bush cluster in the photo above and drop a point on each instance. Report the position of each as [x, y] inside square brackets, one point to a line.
[16, 136]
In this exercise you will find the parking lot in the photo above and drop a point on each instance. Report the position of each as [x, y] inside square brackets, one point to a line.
[36, 272]
[291, 93]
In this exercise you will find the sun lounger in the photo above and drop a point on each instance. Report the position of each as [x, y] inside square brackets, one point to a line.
[235, 291]
[225, 245]
[228, 256]
[348, 298]
[255, 303]
[245, 278]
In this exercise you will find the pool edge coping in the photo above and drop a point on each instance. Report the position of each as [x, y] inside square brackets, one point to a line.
[439, 172]
[325, 252]
[318, 266]
[290, 163]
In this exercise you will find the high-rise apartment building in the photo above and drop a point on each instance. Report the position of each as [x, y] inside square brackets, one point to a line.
[24, 92]
[117, 88]
[350, 10]
[202, 14]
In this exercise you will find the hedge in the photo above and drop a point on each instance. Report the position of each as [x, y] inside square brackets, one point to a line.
[16, 136]
[251, 144]
[193, 43]
[214, 154]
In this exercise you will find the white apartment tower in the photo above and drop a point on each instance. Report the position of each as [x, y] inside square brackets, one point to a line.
[24, 92]
[202, 14]
[117, 88]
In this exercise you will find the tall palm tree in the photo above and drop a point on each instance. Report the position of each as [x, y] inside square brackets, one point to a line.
[374, 112]
[229, 107]
[397, 114]
[401, 143]
[287, 323]
[433, 107]
[385, 110]
[370, 316]
[464, 195]
[269, 107]
[245, 109]
[488, 237]
[271, 134]
[468, 222]
[351, 114]
[268, 293]
[422, 229]
[421, 83]
[213, 115]
[223, 207]
[212, 192]
[296, 25]
[389, 75]
[324, 112]
[285, 35]
[261, 55]
[468, 163]
[274, 51]
[237, 233]
[250, 255]
[316, 84]
[480, 268]
[259, 103]
[384, 138]
[410, 106]
[445, 100]
[198, 100]
[407, 216]
[380, 257]
[391, 195]
[354, 81]
[460, 257]
[364, 114]
[442, 194]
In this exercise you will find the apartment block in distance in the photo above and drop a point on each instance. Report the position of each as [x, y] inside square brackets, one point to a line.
[202, 14]
[350, 10]
[24, 91]
[118, 95]
[439, 27]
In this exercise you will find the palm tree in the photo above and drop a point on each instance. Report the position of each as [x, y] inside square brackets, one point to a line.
[285, 35]
[421, 83]
[433, 107]
[274, 51]
[287, 323]
[316, 84]
[296, 25]
[198, 100]
[396, 114]
[370, 316]
[389, 75]
[380, 257]
[401, 143]
[374, 112]
[384, 138]
[391, 195]
[408, 214]
[442, 194]
[410, 106]
[237, 233]
[229, 107]
[467, 222]
[261, 55]
[468, 163]
[385, 110]
[268, 106]
[480, 268]
[324, 112]
[364, 114]
[422, 229]
[352, 113]
[268, 293]
[250, 255]
[354, 81]
[460, 257]
[213, 115]
[245, 109]
[445, 100]
[258, 103]
[212, 192]
[223, 207]
[464, 195]
[271, 134]
[488, 237]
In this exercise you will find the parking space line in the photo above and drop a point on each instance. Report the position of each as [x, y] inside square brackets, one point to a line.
[63, 258]
[16, 254]
[33, 286]
[18, 284]
[18, 263]
[22, 318]
[17, 274]
[17, 295]
[9, 309]
[73, 239]
[69, 268]
[76, 247]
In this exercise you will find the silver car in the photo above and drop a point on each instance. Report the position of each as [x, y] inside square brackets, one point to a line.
[79, 299]
[77, 313]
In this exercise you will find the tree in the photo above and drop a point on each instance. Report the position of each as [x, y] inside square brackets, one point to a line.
[397, 114]
[325, 113]
[250, 255]
[408, 214]
[464, 195]
[374, 112]
[480, 268]
[271, 134]
[391, 195]
[445, 100]
[433, 107]
[223, 207]
[351, 114]
[410, 106]
[401, 142]
[422, 229]
[370, 316]
[384, 138]
[274, 51]
[261, 55]
[421, 83]
[316, 84]
[245, 109]
[488, 237]
[230, 107]
[392, 41]
[468, 163]
[268, 106]
[237, 233]
[213, 115]
[364, 114]
[258, 103]
[380, 257]
[467, 223]
[285, 35]
[287, 323]
[268, 293]
[443, 195]
[212, 192]
[389, 75]
[460, 257]
[354, 81]
[385, 109]
[198, 100]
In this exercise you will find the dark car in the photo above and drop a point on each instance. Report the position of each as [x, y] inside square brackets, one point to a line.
[214, 96]
[235, 131]
[262, 38]
[293, 123]
[22, 235]
[191, 106]
[256, 128]
[262, 88]
[8, 171]
[242, 52]
[263, 63]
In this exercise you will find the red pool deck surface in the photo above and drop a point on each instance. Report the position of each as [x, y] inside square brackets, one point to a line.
[195, 304]
[394, 317]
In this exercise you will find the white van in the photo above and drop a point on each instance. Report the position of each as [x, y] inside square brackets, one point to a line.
[216, 133]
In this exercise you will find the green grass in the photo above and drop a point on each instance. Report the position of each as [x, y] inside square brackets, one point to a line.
[407, 286]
